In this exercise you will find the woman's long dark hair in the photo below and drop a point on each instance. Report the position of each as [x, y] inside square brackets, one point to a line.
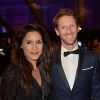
[18, 58]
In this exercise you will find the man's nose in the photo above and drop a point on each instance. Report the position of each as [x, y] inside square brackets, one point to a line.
[68, 30]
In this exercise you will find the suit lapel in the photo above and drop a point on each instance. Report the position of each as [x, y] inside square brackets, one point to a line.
[61, 71]
[80, 64]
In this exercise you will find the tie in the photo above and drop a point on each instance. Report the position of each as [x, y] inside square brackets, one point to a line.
[71, 52]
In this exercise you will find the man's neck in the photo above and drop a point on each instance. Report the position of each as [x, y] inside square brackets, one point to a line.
[70, 47]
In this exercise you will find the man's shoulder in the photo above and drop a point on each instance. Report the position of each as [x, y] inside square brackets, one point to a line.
[88, 52]
[56, 52]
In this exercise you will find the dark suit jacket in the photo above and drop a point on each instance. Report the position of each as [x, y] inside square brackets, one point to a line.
[87, 82]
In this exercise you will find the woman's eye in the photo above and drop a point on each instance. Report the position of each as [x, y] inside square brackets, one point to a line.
[39, 42]
[28, 42]
[33, 43]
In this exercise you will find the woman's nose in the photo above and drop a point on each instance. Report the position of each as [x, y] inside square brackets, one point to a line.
[34, 46]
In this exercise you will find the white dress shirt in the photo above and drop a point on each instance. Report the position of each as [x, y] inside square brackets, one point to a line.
[69, 64]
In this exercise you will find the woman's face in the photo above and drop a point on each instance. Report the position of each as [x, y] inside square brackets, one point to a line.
[32, 46]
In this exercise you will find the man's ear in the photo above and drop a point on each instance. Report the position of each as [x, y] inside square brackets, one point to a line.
[57, 32]
[79, 28]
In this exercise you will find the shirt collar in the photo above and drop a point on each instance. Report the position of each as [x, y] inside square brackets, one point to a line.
[64, 49]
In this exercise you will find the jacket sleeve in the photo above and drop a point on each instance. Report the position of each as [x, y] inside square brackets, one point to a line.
[8, 84]
[96, 81]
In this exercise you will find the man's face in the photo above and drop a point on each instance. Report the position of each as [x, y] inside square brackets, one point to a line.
[67, 30]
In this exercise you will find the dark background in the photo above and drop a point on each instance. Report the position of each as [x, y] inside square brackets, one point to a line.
[14, 13]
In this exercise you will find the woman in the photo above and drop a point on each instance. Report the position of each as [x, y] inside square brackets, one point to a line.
[27, 78]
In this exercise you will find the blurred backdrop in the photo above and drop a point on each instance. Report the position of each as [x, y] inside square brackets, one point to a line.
[14, 13]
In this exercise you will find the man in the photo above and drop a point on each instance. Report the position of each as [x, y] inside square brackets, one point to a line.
[75, 71]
